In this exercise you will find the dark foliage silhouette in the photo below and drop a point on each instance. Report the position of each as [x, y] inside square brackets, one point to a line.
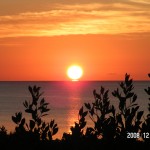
[3, 135]
[77, 130]
[110, 125]
[37, 129]
[146, 124]
[129, 118]
[103, 116]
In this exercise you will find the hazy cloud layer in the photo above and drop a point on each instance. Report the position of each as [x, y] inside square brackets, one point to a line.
[121, 16]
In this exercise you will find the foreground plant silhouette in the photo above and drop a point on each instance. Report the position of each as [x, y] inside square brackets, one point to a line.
[129, 118]
[110, 125]
[37, 129]
[103, 116]
[146, 124]
[77, 130]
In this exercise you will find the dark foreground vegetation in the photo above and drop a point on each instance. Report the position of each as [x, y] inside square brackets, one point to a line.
[126, 127]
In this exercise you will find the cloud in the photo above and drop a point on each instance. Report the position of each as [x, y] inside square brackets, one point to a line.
[65, 19]
[144, 2]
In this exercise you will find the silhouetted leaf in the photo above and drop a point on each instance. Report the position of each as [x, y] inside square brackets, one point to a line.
[14, 119]
[35, 89]
[28, 110]
[126, 77]
[122, 104]
[87, 105]
[25, 104]
[42, 101]
[129, 95]
[134, 98]
[34, 102]
[129, 120]
[82, 119]
[96, 95]
[55, 131]
[23, 122]
[17, 118]
[129, 82]
[43, 125]
[34, 116]
[30, 89]
[83, 125]
[50, 135]
[39, 121]
[106, 94]
[136, 108]
[133, 105]
[102, 90]
[114, 93]
[38, 88]
[147, 90]
[130, 88]
[81, 111]
[127, 113]
[139, 115]
[55, 125]
[119, 119]
[44, 109]
[113, 110]
[89, 130]
[45, 104]
[32, 124]
[122, 85]
[51, 123]
[47, 128]
[84, 114]
[92, 111]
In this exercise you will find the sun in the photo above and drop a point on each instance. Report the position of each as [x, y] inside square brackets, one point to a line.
[75, 72]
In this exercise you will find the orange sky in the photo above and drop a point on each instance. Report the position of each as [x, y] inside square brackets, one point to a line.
[39, 43]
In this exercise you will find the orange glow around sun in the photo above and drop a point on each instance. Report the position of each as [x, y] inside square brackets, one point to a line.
[75, 72]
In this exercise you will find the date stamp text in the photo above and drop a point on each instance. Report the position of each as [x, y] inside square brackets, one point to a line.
[135, 135]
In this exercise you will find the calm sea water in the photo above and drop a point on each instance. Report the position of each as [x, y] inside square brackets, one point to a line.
[64, 98]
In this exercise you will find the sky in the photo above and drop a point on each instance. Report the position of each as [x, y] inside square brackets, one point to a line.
[40, 39]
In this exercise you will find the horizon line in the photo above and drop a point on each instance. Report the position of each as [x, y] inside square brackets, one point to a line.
[68, 80]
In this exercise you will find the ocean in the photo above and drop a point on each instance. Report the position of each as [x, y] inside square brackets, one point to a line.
[65, 98]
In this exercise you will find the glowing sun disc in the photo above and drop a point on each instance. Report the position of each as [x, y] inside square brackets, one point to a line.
[74, 72]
